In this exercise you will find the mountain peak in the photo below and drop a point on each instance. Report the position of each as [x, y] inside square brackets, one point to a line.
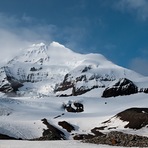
[56, 44]
[38, 45]
[59, 49]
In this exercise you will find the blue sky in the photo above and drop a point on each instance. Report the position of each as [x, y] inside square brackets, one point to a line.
[118, 29]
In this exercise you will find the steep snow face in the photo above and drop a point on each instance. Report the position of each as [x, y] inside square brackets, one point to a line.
[60, 55]
[34, 54]
[42, 68]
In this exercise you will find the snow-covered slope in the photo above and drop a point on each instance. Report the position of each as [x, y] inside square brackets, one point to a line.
[55, 70]
[20, 117]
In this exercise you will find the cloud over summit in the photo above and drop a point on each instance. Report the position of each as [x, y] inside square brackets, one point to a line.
[15, 36]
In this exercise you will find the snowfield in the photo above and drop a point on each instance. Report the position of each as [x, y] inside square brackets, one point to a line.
[21, 116]
[51, 144]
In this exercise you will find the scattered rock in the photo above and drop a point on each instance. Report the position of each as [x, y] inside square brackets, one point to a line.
[145, 90]
[96, 131]
[100, 128]
[116, 138]
[83, 136]
[58, 116]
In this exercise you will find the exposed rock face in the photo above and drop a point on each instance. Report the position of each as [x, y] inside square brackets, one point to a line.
[123, 87]
[52, 133]
[6, 137]
[8, 83]
[120, 139]
[136, 117]
[79, 85]
[66, 126]
[97, 132]
[145, 90]
[74, 107]
[133, 118]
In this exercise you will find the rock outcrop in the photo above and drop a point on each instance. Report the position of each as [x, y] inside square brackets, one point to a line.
[133, 118]
[66, 126]
[6, 137]
[51, 133]
[136, 117]
[8, 83]
[123, 87]
[74, 107]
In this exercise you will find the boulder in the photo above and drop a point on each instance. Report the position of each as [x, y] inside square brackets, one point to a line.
[74, 107]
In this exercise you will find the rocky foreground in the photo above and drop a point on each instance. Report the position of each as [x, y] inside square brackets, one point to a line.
[116, 138]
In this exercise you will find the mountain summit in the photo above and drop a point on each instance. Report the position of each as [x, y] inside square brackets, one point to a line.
[56, 70]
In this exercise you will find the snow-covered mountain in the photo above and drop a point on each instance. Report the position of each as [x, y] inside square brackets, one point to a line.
[42, 72]
[56, 70]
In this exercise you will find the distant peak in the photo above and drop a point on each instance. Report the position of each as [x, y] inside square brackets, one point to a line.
[38, 45]
[56, 44]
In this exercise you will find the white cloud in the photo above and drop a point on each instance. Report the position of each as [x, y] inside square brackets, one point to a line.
[14, 35]
[140, 65]
[135, 7]
[17, 33]
[10, 44]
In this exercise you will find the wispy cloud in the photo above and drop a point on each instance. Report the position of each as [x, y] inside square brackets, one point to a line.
[138, 8]
[76, 34]
[17, 33]
[140, 65]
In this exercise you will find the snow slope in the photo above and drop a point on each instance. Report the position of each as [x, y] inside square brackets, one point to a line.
[28, 112]
[47, 144]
